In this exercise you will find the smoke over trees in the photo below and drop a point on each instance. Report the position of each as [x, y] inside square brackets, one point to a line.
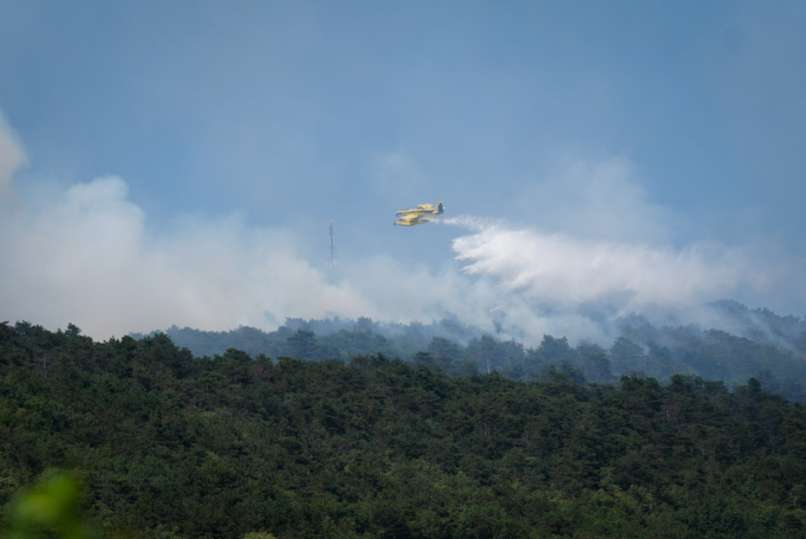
[768, 347]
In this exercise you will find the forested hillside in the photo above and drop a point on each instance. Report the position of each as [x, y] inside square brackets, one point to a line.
[766, 346]
[175, 446]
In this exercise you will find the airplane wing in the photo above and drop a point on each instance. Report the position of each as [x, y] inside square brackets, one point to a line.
[420, 209]
[416, 210]
[408, 219]
[427, 208]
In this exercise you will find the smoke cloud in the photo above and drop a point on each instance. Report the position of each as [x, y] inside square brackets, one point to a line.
[563, 270]
[555, 283]
[88, 258]
[88, 255]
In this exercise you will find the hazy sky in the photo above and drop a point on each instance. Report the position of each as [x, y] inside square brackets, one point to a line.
[666, 135]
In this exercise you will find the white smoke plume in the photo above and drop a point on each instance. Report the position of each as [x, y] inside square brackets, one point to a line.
[89, 256]
[563, 270]
[563, 285]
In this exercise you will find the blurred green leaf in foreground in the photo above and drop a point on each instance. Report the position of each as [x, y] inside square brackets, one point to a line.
[48, 509]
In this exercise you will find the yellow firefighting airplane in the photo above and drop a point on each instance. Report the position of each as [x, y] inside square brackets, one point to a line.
[422, 213]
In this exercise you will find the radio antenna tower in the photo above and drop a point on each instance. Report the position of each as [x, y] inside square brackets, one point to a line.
[332, 247]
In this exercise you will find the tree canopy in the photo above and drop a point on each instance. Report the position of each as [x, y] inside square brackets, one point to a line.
[168, 445]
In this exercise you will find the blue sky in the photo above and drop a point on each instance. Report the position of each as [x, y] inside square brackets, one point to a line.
[290, 115]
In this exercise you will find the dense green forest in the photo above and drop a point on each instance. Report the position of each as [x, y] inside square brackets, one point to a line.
[169, 445]
[765, 346]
